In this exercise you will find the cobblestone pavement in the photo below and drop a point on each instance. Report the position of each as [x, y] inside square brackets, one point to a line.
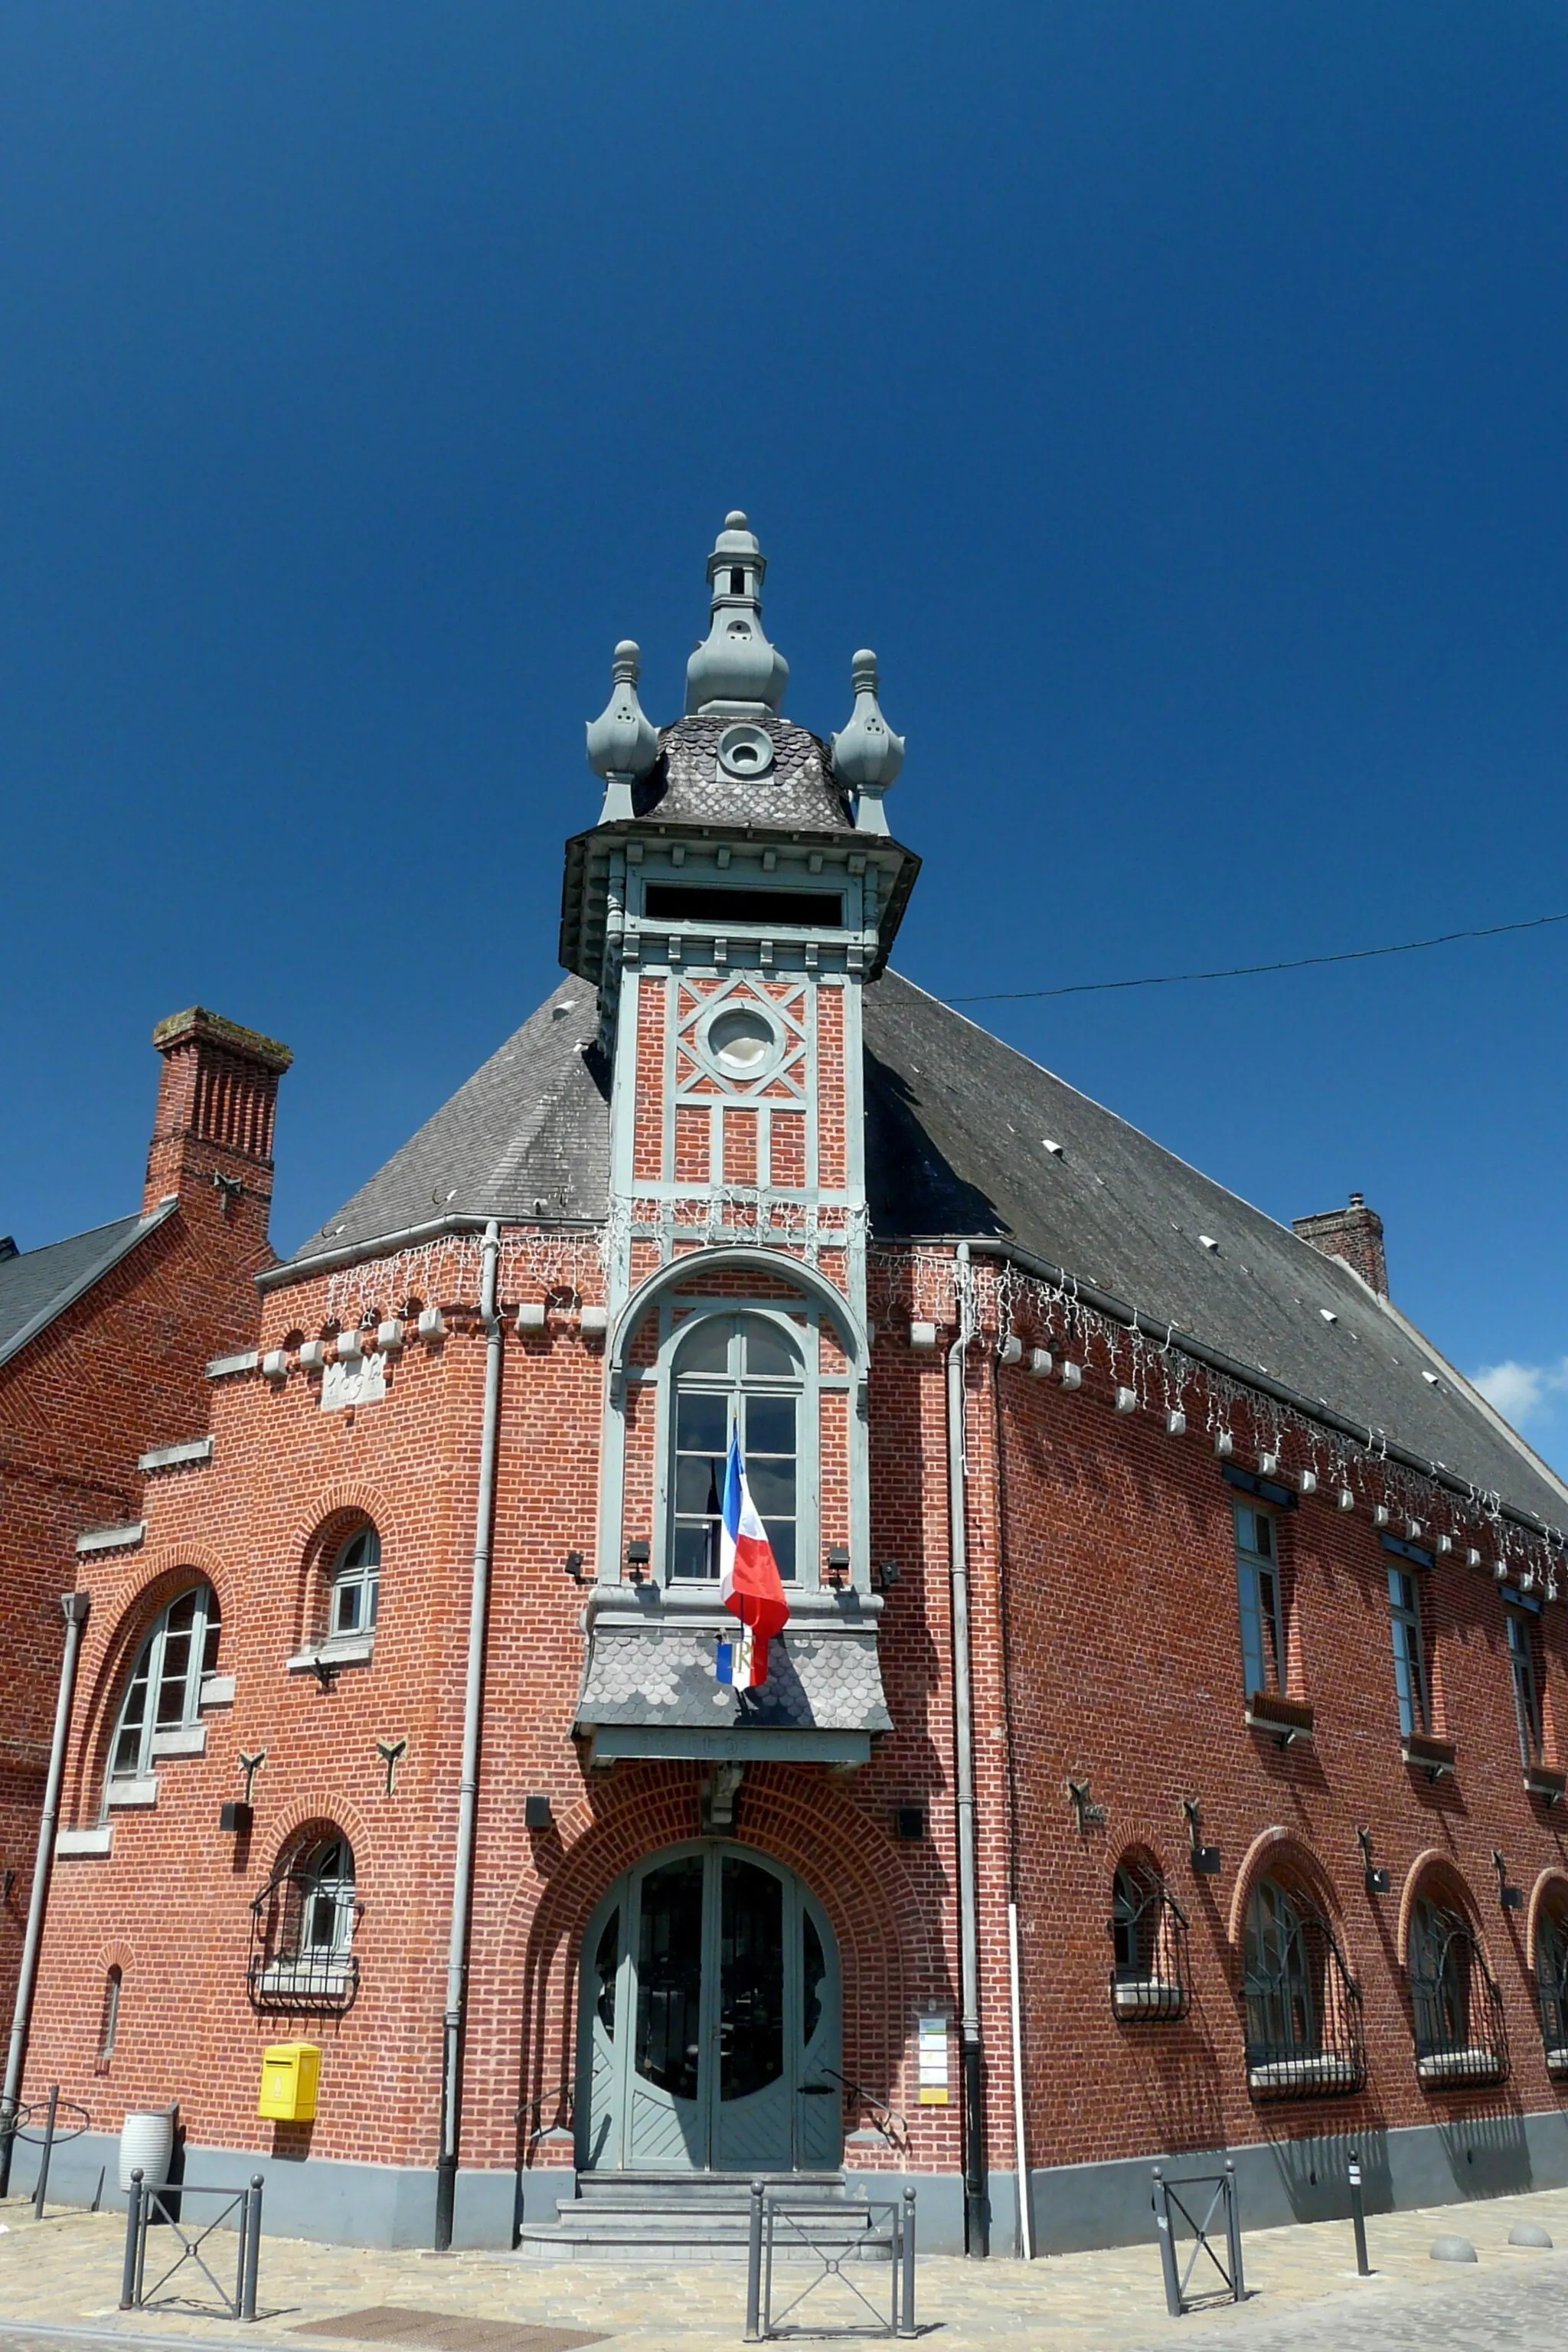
[64, 2274]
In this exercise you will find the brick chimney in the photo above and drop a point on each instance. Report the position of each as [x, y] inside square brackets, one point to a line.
[1354, 1235]
[212, 1137]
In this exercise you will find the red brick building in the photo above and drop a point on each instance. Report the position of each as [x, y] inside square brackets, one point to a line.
[102, 1342]
[1165, 1751]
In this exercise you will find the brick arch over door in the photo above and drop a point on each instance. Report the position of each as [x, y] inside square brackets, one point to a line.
[159, 1575]
[889, 1963]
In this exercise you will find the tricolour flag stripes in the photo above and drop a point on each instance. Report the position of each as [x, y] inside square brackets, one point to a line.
[749, 1582]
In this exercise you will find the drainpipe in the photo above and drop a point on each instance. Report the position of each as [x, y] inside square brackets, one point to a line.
[74, 1607]
[975, 2235]
[468, 1786]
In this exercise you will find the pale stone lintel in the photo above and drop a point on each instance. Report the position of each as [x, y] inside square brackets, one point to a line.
[353, 1650]
[70, 1844]
[110, 1538]
[180, 1740]
[218, 1690]
[125, 1794]
[222, 1368]
[174, 1457]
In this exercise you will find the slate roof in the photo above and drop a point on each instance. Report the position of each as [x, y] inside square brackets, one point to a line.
[687, 786]
[826, 1680]
[36, 1286]
[530, 1128]
[954, 1146]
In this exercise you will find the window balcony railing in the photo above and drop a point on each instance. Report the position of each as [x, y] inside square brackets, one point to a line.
[1149, 1979]
[301, 1946]
[1305, 2039]
[1461, 2031]
[1554, 2026]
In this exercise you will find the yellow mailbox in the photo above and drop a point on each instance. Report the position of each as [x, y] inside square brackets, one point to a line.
[289, 2074]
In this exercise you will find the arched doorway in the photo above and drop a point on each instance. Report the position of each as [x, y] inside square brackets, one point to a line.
[708, 2019]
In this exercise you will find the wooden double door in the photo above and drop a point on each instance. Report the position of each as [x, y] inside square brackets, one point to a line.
[710, 2020]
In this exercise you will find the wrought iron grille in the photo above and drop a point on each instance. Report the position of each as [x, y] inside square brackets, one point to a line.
[1304, 2033]
[301, 1944]
[1551, 1984]
[1461, 2034]
[1149, 1979]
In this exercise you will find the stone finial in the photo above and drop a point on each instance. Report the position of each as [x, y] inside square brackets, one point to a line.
[867, 755]
[735, 670]
[623, 742]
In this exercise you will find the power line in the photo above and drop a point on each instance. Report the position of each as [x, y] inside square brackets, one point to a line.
[1250, 971]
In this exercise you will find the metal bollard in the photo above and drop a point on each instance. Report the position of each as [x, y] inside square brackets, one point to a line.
[1233, 2232]
[1358, 2216]
[1167, 2246]
[755, 2268]
[250, 2250]
[133, 2230]
[41, 2192]
[907, 2308]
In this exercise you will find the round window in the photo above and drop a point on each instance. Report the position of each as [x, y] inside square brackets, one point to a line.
[745, 752]
[740, 1041]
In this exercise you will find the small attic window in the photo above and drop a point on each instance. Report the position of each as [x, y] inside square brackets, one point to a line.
[1054, 1149]
[1207, 1241]
[1328, 1315]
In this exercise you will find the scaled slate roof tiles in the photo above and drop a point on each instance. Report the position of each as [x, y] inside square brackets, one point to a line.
[956, 1123]
[32, 1282]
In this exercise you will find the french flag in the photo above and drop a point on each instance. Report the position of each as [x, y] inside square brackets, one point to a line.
[748, 1583]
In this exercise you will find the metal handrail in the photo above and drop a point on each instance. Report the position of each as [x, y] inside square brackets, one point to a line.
[563, 2095]
[874, 2106]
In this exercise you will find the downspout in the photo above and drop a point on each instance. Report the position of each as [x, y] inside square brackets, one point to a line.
[1015, 1965]
[74, 1607]
[469, 1785]
[976, 2232]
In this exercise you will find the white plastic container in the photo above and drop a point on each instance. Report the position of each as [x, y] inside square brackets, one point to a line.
[148, 2140]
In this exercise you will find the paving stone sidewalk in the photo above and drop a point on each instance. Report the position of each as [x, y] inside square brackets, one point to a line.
[65, 2273]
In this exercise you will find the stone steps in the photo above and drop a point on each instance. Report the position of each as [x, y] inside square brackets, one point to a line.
[636, 2219]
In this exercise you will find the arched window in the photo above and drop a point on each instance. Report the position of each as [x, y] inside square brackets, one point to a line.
[356, 1584]
[1455, 2007]
[163, 1695]
[1303, 2010]
[1552, 1980]
[1148, 1936]
[303, 1927]
[745, 1373]
[108, 2021]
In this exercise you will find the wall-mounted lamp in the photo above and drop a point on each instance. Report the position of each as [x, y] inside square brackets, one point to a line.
[237, 1819]
[837, 1566]
[638, 1557]
[1510, 1897]
[1204, 1859]
[886, 1575]
[1088, 1815]
[325, 1671]
[536, 1812]
[1375, 1881]
[573, 1567]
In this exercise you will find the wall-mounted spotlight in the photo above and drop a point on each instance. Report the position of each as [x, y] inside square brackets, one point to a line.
[638, 1555]
[573, 1567]
[837, 1566]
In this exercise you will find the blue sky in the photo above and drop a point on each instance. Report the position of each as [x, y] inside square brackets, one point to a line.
[1174, 397]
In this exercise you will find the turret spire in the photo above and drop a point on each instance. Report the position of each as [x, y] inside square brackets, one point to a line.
[623, 742]
[867, 754]
[735, 669]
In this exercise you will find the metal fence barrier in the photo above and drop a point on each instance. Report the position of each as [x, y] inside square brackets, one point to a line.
[836, 2238]
[167, 2204]
[1171, 2201]
[14, 2125]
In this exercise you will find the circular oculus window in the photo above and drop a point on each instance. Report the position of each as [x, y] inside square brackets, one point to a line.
[746, 752]
[742, 1041]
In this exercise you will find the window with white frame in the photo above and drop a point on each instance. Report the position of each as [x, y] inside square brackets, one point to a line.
[1526, 1689]
[356, 1584]
[1410, 1686]
[164, 1691]
[1259, 1600]
[745, 1373]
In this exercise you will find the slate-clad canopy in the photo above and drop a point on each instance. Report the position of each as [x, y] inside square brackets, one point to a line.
[956, 1123]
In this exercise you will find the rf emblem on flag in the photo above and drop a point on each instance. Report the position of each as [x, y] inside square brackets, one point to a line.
[749, 1581]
